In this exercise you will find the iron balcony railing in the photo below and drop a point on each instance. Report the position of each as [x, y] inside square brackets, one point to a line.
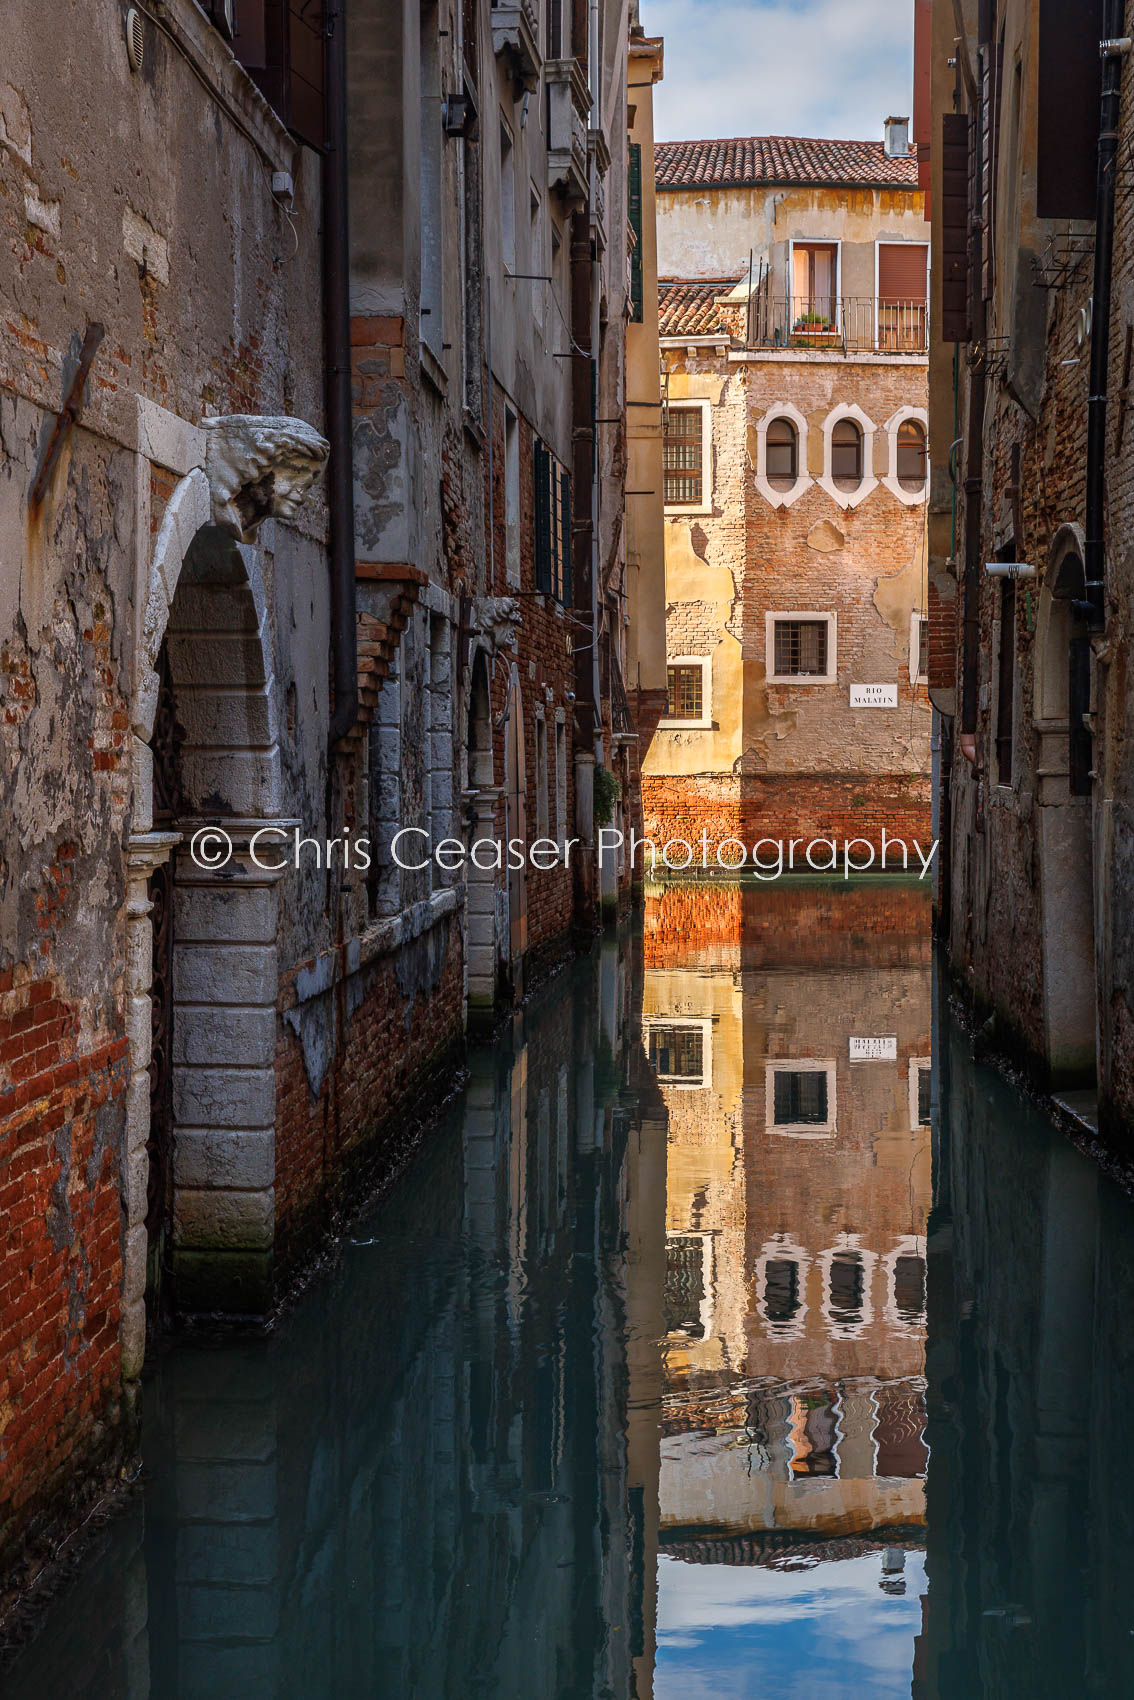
[847, 324]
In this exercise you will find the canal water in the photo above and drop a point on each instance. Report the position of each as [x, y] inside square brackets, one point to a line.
[734, 1337]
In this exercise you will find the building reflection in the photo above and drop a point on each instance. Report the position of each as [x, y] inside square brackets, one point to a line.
[789, 1032]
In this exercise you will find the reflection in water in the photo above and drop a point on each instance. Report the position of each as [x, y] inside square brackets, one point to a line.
[797, 1191]
[624, 1392]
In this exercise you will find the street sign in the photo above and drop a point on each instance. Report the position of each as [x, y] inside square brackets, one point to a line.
[874, 1050]
[874, 696]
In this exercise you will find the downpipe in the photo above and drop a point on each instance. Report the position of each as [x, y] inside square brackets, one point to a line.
[1113, 52]
[336, 288]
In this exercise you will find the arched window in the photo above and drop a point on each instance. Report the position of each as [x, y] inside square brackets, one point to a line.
[781, 459]
[846, 454]
[911, 454]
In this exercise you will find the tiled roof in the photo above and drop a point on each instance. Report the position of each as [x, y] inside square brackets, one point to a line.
[751, 161]
[689, 306]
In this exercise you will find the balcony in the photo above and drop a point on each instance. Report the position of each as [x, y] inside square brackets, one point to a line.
[515, 38]
[568, 108]
[842, 324]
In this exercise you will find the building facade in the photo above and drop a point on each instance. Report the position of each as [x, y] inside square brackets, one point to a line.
[1029, 570]
[313, 540]
[793, 330]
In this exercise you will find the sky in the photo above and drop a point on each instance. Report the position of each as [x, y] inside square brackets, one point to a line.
[781, 67]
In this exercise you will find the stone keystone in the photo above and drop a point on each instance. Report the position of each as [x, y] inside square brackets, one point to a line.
[259, 467]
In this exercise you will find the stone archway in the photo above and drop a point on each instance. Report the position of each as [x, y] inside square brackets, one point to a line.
[1062, 696]
[205, 601]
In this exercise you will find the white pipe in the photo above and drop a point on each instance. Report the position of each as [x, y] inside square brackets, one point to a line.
[1009, 569]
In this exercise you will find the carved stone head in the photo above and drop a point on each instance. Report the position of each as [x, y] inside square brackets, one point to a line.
[259, 467]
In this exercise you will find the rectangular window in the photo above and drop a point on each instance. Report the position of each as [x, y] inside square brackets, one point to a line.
[1007, 682]
[919, 648]
[552, 488]
[280, 45]
[634, 211]
[432, 296]
[560, 775]
[902, 295]
[924, 1096]
[677, 1053]
[683, 454]
[800, 1099]
[684, 1290]
[815, 285]
[537, 256]
[801, 649]
[507, 199]
[512, 496]
[541, 776]
[686, 691]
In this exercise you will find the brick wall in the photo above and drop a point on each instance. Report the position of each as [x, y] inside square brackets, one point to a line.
[800, 806]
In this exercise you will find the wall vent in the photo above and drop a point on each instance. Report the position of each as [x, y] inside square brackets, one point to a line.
[135, 39]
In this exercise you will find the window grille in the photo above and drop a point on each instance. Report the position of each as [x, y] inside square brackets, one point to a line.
[682, 456]
[677, 1053]
[800, 1096]
[686, 693]
[801, 648]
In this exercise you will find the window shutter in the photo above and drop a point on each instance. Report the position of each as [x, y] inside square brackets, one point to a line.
[564, 552]
[543, 540]
[990, 138]
[901, 271]
[306, 66]
[953, 261]
[1070, 87]
[634, 205]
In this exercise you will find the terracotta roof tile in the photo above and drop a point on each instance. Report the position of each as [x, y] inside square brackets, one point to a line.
[752, 161]
[690, 306]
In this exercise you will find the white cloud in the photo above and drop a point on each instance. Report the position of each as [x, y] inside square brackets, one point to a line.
[781, 67]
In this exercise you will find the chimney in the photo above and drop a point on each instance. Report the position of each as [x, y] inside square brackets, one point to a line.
[897, 138]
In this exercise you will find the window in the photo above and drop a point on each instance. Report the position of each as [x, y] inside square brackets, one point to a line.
[800, 1098]
[511, 496]
[634, 219]
[801, 647]
[846, 454]
[542, 816]
[1006, 682]
[781, 454]
[683, 454]
[781, 1290]
[536, 255]
[556, 33]
[815, 269]
[847, 1286]
[919, 648]
[552, 485]
[684, 1291]
[432, 296]
[507, 199]
[921, 1092]
[686, 682]
[911, 455]
[909, 1288]
[560, 775]
[680, 1052]
[281, 48]
[902, 296]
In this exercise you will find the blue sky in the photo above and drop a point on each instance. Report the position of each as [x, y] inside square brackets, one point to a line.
[781, 67]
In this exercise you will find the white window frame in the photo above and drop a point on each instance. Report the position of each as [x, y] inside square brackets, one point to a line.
[830, 677]
[916, 1065]
[848, 498]
[896, 242]
[560, 775]
[834, 242]
[543, 811]
[707, 1243]
[801, 1065]
[705, 663]
[782, 498]
[705, 505]
[911, 498]
[700, 1023]
[919, 667]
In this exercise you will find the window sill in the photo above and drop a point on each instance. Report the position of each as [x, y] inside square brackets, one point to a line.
[432, 369]
[676, 510]
[687, 726]
[800, 679]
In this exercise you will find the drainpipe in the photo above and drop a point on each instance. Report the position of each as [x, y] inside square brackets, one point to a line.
[974, 492]
[336, 288]
[1113, 51]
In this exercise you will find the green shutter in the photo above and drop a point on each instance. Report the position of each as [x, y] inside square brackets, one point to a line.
[634, 210]
[543, 535]
[563, 590]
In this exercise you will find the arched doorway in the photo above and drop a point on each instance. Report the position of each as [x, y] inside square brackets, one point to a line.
[1065, 751]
